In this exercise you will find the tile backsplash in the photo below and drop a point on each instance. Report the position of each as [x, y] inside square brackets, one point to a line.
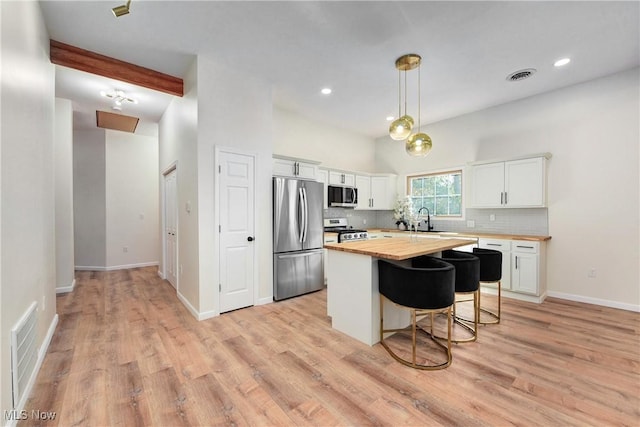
[532, 221]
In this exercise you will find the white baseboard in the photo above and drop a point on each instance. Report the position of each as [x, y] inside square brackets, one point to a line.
[207, 315]
[116, 267]
[596, 301]
[195, 313]
[42, 351]
[161, 274]
[515, 295]
[66, 289]
[263, 301]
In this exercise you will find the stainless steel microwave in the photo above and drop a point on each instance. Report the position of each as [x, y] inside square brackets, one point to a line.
[342, 197]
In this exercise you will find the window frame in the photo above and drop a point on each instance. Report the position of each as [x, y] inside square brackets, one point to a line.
[448, 171]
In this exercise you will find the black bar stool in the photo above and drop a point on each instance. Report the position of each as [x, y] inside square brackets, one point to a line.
[424, 291]
[467, 281]
[490, 272]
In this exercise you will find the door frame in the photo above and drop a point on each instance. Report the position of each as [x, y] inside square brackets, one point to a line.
[216, 200]
[163, 176]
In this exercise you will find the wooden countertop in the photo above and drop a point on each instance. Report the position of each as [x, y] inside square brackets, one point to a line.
[398, 248]
[484, 235]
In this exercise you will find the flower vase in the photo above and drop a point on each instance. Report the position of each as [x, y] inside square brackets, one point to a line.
[402, 226]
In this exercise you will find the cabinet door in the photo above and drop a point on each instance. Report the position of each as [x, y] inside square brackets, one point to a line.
[294, 169]
[349, 179]
[524, 272]
[363, 184]
[487, 185]
[307, 171]
[336, 178]
[525, 183]
[282, 167]
[323, 177]
[382, 192]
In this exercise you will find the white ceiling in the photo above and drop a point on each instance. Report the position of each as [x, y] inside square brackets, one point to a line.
[468, 49]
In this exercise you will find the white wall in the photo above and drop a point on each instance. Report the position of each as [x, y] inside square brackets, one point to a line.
[232, 102]
[131, 194]
[178, 139]
[592, 130]
[89, 210]
[63, 169]
[298, 136]
[115, 191]
[27, 180]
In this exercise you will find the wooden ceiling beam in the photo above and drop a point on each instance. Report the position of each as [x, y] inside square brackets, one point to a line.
[94, 63]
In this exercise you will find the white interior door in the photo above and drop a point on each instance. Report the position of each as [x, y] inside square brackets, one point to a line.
[170, 228]
[237, 226]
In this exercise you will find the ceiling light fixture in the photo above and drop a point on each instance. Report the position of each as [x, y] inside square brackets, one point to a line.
[118, 11]
[400, 128]
[389, 118]
[118, 97]
[326, 91]
[418, 144]
[561, 62]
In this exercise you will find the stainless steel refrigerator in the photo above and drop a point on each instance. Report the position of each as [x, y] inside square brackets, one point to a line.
[298, 237]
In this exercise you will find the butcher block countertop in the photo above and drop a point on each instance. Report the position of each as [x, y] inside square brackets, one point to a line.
[482, 235]
[399, 248]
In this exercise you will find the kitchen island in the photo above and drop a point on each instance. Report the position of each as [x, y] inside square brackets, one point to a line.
[353, 300]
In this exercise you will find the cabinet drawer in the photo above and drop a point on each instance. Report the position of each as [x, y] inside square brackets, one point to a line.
[525, 246]
[495, 244]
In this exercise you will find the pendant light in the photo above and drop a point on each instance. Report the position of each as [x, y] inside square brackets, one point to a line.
[400, 128]
[419, 144]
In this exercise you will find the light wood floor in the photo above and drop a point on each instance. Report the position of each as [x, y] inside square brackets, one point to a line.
[127, 353]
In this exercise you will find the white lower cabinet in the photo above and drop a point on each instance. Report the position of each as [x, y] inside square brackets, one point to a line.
[523, 268]
[503, 246]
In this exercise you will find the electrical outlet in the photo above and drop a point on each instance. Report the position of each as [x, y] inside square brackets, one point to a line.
[492, 217]
[471, 223]
[125, 249]
[364, 222]
[592, 273]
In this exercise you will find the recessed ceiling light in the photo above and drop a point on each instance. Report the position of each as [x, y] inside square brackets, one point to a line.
[561, 62]
[389, 118]
[326, 91]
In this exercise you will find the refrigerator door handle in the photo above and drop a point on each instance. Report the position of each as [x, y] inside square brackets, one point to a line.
[305, 214]
[301, 217]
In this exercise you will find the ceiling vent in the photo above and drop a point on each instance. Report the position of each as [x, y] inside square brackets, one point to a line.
[521, 74]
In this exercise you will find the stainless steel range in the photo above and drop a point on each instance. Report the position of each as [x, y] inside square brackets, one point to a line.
[345, 232]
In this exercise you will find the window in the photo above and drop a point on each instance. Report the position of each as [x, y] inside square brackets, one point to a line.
[441, 193]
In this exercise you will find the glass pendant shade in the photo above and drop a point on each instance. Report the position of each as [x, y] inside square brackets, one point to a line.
[400, 128]
[418, 145]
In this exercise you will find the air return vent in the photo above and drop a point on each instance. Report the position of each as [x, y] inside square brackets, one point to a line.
[24, 353]
[521, 75]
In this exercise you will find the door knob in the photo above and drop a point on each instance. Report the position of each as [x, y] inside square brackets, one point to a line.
[250, 239]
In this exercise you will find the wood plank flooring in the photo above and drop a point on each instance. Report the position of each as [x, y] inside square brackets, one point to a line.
[127, 353]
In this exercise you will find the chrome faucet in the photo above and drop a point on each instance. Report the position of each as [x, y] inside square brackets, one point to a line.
[429, 226]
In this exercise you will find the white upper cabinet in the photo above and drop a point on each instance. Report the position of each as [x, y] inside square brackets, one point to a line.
[376, 192]
[342, 178]
[294, 168]
[323, 177]
[511, 184]
[363, 184]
